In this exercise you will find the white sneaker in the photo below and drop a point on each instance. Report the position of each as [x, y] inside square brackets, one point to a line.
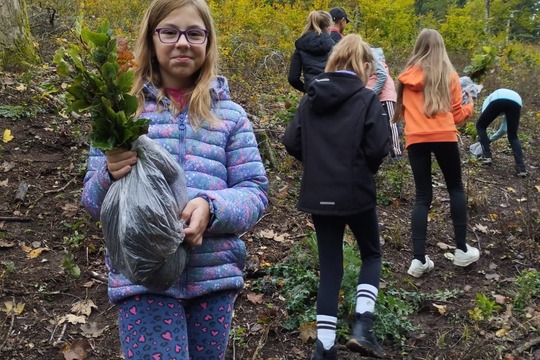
[466, 258]
[417, 269]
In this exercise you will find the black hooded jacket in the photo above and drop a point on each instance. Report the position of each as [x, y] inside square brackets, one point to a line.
[309, 58]
[341, 137]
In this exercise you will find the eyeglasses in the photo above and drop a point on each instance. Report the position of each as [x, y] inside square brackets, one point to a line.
[172, 35]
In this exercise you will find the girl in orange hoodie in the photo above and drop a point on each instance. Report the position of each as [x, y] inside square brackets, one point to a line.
[429, 101]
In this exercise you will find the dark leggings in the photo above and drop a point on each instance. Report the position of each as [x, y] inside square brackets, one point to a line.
[447, 155]
[512, 112]
[160, 327]
[330, 231]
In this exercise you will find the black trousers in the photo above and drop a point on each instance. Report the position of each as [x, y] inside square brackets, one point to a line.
[512, 112]
[330, 231]
[447, 155]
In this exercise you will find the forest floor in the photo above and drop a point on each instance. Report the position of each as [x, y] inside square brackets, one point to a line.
[47, 312]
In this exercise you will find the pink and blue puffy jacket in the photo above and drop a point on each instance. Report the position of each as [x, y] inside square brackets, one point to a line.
[223, 165]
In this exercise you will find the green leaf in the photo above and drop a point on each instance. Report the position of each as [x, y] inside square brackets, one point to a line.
[99, 39]
[77, 91]
[131, 104]
[125, 81]
[79, 106]
[109, 70]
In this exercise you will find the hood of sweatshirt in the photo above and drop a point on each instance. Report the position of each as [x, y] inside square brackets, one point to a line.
[328, 91]
[314, 43]
[413, 78]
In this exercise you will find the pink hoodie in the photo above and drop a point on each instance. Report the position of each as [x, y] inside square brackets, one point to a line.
[388, 91]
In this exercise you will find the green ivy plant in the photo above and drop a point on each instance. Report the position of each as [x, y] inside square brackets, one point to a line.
[99, 73]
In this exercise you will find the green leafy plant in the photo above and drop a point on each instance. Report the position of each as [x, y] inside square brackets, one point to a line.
[484, 308]
[528, 288]
[482, 63]
[99, 69]
[70, 266]
[14, 111]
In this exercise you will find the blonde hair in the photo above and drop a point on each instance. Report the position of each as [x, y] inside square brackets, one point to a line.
[429, 53]
[147, 70]
[353, 54]
[317, 21]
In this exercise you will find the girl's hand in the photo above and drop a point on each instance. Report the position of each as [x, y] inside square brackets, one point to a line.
[120, 161]
[196, 215]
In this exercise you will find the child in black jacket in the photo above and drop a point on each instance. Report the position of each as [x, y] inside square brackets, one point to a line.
[339, 135]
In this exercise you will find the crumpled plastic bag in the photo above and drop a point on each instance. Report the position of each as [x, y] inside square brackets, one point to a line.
[476, 149]
[141, 218]
[469, 87]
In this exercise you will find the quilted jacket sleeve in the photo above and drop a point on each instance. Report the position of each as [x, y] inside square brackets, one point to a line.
[96, 182]
[238, 208]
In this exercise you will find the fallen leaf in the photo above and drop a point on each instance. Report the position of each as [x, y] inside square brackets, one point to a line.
[308, 331]
[70, 210]
[441, 308]
[449, 256]
[83, 307]
[92, 329]
[256, 328]
[5, 244]
[444, 246]
[502, 332]
[268, 234]
[481, 228]
[493, 216]
[500, 299]
[280, 238]
[537, 187]
[11, 308]
[495, 277]
[78, 350]
[255, 298]
[25, 248]
[7, 137]
[36, 252]
[72, 319]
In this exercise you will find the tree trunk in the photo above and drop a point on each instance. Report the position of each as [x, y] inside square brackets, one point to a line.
[16, 45]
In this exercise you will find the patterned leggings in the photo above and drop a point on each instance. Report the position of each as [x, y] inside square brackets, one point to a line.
[163, 328]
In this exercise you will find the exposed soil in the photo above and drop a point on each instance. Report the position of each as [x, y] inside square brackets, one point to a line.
[70, 318]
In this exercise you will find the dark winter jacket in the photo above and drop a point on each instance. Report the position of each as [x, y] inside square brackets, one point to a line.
[309, 58]
[341, 137]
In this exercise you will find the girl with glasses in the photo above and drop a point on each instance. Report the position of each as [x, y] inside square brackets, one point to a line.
[193, 117]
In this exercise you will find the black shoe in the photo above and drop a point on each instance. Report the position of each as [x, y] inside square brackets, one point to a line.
[321, 354]
[363, 339]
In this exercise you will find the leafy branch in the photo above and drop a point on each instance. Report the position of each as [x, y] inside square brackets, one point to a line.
[100, 78]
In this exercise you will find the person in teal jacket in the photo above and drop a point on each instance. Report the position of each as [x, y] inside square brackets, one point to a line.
[508, 103]
[193, 117]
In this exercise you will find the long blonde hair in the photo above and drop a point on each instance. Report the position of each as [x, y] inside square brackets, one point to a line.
[147, 70]
[353, 54]
[429, 53]
[317, 21]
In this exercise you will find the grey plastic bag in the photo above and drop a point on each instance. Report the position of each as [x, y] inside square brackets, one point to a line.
[476, 149]
[141, 218]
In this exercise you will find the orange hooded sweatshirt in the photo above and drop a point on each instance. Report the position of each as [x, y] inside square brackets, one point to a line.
[439, 128]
